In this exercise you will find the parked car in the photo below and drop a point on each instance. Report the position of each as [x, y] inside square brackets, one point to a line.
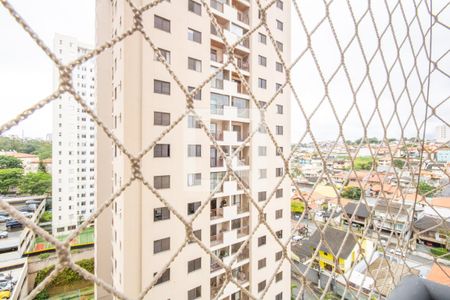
[27, 214]
[3, 234]
[27, 208]
[4, 214]
[35, 202]
[13, 224]
[297, 238]
[4, 219]
[397, 252]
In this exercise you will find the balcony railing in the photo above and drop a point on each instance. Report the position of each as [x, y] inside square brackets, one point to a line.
[217, 5]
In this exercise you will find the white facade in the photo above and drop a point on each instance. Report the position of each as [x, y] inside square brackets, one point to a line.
[442, 134]
[144, 100]
[73, 144]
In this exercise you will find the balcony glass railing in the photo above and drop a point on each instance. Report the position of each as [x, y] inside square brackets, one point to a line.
[217, 5]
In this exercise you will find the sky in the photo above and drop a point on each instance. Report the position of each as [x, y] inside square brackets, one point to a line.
[26, 74]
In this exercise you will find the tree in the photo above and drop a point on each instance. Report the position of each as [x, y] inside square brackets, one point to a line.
[41, 148]
[9, 179]
[351, 192]
[41, 167]
[425, 189]
[38, 183]
[364, 163]
[9, 162]
[399, 163]
[297, 206]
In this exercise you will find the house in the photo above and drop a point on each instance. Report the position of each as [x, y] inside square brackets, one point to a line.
[433, 230]
[391, 215]
[443, 155]
[359, 212]
[328, 257]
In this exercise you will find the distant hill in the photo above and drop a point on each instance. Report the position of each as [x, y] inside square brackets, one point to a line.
[31, 146]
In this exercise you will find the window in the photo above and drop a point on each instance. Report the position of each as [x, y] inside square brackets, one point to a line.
[198, 94]
[192, 207]
[194, 179]
[194, 264]
[161, 118]
[262, 104]
[193, 122]
[280, 295]
[195, 7]
[195, 293]
[161, 87]
[194, 64]
[279, 172]
[280, 4]
[262, 173]
[198, 234]
[194, 150]
[161, 182]
[279, 234]
[164, 277]
[280, 46]
[262, 150]
[261, 263]
[261, 286]
[161, 150]
[161, 245]
[262, 196]
[262, 60]
[279, 67]
[278, 88]
[279, 130]
[262, 83]
[279, 193]
[194, 35]
[164, 53]
[262, 38]
[279, 276]
[278, 255]
[278, 214]
[279, 25]
[162, 23]
[261, 241]
[161, 213]
[279, 109]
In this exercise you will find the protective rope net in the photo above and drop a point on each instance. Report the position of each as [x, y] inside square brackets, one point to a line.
[383, 58]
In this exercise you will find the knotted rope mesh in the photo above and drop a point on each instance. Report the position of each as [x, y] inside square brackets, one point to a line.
[383, 57]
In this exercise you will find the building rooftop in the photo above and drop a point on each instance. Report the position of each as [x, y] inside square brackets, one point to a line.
[431, 223]
[352, 208]
[334, 239]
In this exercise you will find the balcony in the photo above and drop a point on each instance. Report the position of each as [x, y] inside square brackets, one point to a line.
[231, 13]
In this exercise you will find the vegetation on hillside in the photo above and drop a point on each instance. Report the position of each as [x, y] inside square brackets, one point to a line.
[41, 148]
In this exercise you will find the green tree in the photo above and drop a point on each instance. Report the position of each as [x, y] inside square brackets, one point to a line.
[425, 189]
[9, 162]
[364, 163]
[41, 167]
[297, 206]
[41, 148]
[351, 192]
[9, 179]
[399, 163]
[38, 183]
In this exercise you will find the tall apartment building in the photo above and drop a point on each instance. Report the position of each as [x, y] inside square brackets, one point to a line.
[442, 133]
[139, 233]
[73, 142]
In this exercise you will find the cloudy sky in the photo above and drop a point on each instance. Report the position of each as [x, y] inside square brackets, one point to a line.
[26, 74]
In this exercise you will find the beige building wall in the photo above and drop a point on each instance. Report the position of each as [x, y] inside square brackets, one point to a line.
[226, 222]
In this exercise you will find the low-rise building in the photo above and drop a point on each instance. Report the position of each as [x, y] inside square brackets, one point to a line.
[331, 255]
[433, 230]
[358, 211]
